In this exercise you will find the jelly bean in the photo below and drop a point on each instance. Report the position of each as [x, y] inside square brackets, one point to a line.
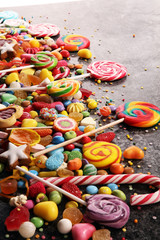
[104, 190]
[33, 172]
[29, 123]
[55, 196]
[79, 71]
[9, 98]
[116, 168]
[47, 210]
[59, 108]
[89, 169]
[85, 195]
[128, 170]
[102, 172]
[69, 147]
[112, 186]
[77, 149]
[66, 102]
[119, 194]
[71, 204]
[33, 114]
[37, 221]
[69, 135]
[74, 164]
[27, 229]
[64, 226]
[58, 139]
[81, 128]
[85, 114]
[73, 214]
[85, 53]
[91, 189]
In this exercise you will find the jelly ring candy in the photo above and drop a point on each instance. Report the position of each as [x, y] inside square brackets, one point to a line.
[107, 71]
[44, 60]
[102, 154]
[44, 29]
[63, 88]
[73, 42]
[139, 114]
[65, 124]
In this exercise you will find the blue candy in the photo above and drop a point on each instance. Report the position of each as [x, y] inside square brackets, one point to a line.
[112, 186]
[77, 149]
[91, 189]
[66, 103]
[57, 139]
[61, 149]
[33, 172]
[54, 161]
[21, 184]
[81, 128]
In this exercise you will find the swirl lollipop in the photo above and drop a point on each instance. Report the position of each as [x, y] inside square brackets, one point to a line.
[73, 42]
[61, 72]
[107, 210]
[43, 30]
[139, 114]
[8, 15]
[63, 88]
[44, 60]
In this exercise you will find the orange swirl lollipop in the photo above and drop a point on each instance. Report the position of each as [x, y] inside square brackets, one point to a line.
[139, 114]
[102, 154]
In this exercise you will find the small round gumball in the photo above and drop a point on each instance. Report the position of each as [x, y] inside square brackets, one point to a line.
[116, 168]
[105, 111]
[27, 229]
[69, 147]
[128, 170]
[65, 53]
[113, 108]
[92, 189]
[64, 226]
[112, 186]
[104, 190]
[69, 135]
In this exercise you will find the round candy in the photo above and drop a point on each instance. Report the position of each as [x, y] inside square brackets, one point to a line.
[89, 169]
[65, 124]
[105, 111]
[48, 114]
[104, 190]
[61, 72]
[64, 226]
[112, 186]
[44, 60]
[8, 15]
[139, 114]
[102, 154]
[73, 42]
[27, 229]
[107, 210]
[63, 88]
[37, 221]
[107, 71]
[43, 29]
[91, 189]
[75, 107]
[15, 23]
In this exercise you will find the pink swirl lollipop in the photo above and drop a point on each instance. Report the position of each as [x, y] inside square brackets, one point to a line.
[107, 210]
[107, 71]
[61, 72]
[43, 30]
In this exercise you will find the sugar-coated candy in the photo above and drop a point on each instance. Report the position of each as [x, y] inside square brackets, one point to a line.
[37, 221]
[89, 169]
[72, 188]
[74, 154]
[73, 214]
[27, 229]
[101, 234]
[64, 226]
[119, 194]
[35, 188]
[54, 161]
[47, 210]
[112, 186]
[104, 190]
[91, 189]
[83, 231]
[74, 164]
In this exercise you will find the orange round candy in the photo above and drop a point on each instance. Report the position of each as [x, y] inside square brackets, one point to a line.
[117, 168]
[73, 214]
[105, 111]
[76, 116]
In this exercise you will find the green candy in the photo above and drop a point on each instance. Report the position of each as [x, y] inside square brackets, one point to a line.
[120, 194]
[41, 197]
[37, 221]
[40, 124]
[1, 167]
[29, 98]
[79, 71]
[69, 135]
[74, 154]
[10, 98]
[55, 196]
[89, 169]
[85, 114]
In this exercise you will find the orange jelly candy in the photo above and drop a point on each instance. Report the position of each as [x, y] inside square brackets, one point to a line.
[76, 116]
[34, 79]
[9, 186]
[24, 136]
[23, 78]
[73, 214]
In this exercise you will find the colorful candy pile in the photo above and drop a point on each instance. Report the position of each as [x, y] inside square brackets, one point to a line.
[40, 107]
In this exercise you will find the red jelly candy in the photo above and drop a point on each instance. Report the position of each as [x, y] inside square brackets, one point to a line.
[85, 93]
[17, 216]
[85, 140]
[36, 188]
[106, 137]
[72, 188]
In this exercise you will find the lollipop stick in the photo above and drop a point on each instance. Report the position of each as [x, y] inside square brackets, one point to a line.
[8, 129]
[80, 76]
[22, 89]
[16, 69]
[52, 185]
[78, 138]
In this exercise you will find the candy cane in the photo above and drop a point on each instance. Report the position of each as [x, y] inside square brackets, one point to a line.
[143, 199]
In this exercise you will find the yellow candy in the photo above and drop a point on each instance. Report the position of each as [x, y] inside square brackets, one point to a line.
[25, 168]
[104, 190]
[92, 104]
[64, 113]
[22, 26]
[47, 210]
[79, 172]
[71, 204]
[2, 37]
[33, 114]
[102, 154]
[49, 123]
[75, 107]
[29, 71]
[45, 73]
[41, 161]
[34, 94]
[85, 195]
[34, 43]
[84, 53]
[12, 77]
[32, 163]
[35, 168]
[29, 123]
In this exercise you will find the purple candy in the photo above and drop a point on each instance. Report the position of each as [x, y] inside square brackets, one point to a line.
[57, 134]
[75, 100]
[59, 108]
[84, 162]
[113, 108]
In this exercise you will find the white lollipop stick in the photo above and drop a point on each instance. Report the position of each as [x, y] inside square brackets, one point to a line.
[16, 69]
[8, 129]
[22, 89]
[82, 76]
[52, 185]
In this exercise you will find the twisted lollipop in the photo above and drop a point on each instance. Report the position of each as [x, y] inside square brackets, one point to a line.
[44, 60]
[139, 114]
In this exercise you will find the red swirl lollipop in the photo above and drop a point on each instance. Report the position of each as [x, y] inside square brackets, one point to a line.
[107, 71]
[60, 72]
[43, 30]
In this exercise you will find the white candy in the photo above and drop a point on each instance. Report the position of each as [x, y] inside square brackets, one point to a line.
[78, 95]
[88, 121]
[15, 85]
[64, 226]
[27, 229]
